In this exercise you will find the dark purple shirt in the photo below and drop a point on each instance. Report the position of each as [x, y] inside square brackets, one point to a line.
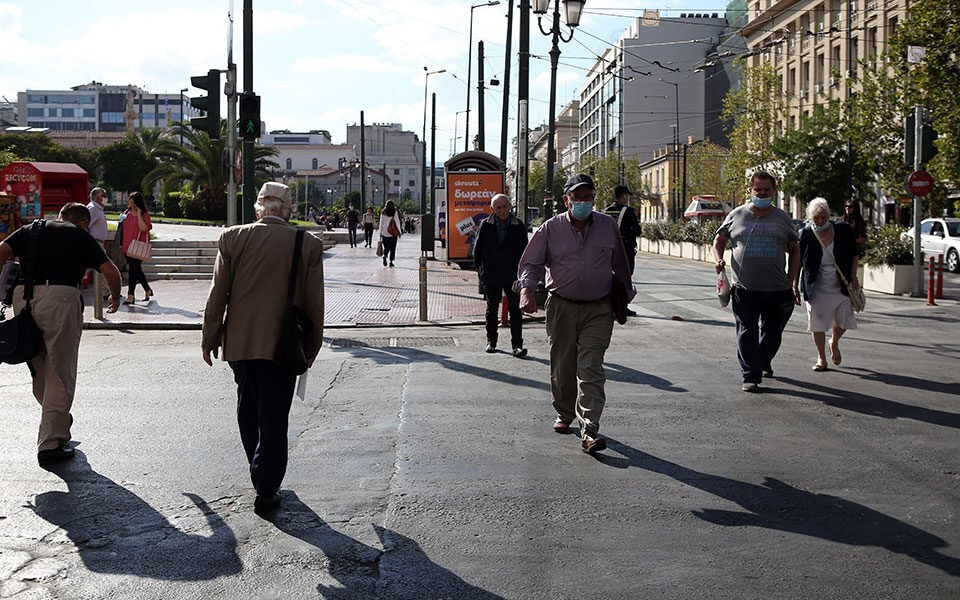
[578, 267]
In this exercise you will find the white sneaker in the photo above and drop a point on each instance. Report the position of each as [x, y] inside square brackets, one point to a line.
[750, 387]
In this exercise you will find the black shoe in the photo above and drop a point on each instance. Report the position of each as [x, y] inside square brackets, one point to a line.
[266, 504]
[519, 352]
[768, 373]
[55, 455]
[384, 261]
[491, 347]
[391, 263]
[630, 313]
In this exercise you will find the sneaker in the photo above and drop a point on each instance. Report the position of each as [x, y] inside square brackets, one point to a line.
[519, 352]
[749, 386]
[591, 444]
[768, 373]
[491, 347]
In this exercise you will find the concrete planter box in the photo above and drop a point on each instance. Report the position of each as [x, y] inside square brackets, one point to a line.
[889, 280]
[691, 251]
[649, 246]
[673, 249]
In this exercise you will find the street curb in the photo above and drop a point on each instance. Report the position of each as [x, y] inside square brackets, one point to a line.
[147, 326]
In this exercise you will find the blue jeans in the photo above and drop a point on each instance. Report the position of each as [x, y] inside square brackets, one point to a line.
[352, 234]
[761, 318]
[264, 396]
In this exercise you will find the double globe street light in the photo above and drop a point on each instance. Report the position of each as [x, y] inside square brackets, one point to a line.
[572, 10]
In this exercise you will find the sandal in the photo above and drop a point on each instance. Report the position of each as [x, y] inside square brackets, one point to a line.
[130, 300]
[835, 354]
[820, 366]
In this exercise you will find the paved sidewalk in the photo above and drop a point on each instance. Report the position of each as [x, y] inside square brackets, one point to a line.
[359, 290]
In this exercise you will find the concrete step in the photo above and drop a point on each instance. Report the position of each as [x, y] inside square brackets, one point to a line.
[207, 253]
[177, 276]
[176, 268]
[183, 244]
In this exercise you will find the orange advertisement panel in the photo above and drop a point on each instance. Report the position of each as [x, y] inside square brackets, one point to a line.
[468, 204]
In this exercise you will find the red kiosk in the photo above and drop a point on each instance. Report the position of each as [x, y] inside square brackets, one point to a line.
[29, 190]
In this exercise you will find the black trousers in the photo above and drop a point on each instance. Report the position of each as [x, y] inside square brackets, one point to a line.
[264, 396]
[761, 318]
[631, 257]
[368, 234]
[352, 235]
[389, 247]
[494, 296]
[136, 276]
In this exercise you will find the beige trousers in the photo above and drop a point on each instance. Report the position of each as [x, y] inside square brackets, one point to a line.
[58, 311]
[579, 335]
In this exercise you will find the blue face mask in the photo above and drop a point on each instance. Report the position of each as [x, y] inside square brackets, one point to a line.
[761, 202]
[820, 227]
[581, 210]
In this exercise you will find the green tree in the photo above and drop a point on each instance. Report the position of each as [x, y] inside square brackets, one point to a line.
[814, 160]
[934, 82]
[124, 164]
[755, 109]
[537, 185]
[706, 172]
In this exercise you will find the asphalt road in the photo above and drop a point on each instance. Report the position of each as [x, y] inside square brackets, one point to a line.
[421, 467]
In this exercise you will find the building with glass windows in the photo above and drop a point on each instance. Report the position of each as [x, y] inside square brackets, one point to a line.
[98, 107]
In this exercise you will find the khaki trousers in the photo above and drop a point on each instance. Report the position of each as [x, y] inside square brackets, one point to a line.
[58, 311]
[579, 335]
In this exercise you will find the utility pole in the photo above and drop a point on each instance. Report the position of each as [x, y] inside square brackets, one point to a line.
[249, 182]
[363, 161]
[481, 132]
[231, 90]
[523, 94]
[506, 85]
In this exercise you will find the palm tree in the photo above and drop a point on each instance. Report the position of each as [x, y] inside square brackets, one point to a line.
[199, 163]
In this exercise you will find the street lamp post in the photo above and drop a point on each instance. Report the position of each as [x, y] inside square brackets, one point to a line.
[182, 119]
[423, 178]
[466, 144]
[573, 9]
[676, 145]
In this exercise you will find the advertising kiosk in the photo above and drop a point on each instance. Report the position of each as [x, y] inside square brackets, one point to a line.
[473, 179]
[31, 190]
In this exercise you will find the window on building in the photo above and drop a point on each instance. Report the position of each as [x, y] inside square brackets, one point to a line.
[289, 164]
[315, 163]
[411, 183]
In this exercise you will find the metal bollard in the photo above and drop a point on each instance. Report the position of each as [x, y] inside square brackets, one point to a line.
[939, 295]
[97, 295]
[423, 288]
[930, 301]
[503, 311]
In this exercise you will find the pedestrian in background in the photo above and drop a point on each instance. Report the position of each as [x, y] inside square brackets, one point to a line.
[500, 244]
[64, 251]
[826, 250]
[390, 225]
[581, 254]
[98, 219]
[853, 218]
[369, 221]
[763, 298]
[629, 227]
[136, 224]
[353, 219]
[250, 283]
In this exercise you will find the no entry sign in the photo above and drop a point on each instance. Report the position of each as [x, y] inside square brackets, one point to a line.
[919, 183]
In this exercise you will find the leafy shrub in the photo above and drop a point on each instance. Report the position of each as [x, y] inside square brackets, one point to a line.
[204, 206]
[651, 231]
[885, 248]
[170, 205]
[701, 234]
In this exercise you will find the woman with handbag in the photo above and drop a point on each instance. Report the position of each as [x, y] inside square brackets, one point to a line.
[136, 228]
[389, 231]
[828, 276]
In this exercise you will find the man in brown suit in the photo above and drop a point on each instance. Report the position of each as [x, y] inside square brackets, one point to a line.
[250, 286]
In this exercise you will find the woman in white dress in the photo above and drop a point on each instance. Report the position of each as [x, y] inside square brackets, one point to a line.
[826, 247]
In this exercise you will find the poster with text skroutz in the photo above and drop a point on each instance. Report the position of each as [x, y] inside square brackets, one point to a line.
[468, 204]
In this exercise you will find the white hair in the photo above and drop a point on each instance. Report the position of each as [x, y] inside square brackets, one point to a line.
[274, 200]
[816, 206]
[499, 196]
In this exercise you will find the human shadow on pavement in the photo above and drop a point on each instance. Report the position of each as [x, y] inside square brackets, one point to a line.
[400, 571]
[116, 531]
[779, 506]
[401, 355]
[846, 399]
[622, 374]
[914, 383]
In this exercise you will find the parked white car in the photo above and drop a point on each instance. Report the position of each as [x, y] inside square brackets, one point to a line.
[939, 236]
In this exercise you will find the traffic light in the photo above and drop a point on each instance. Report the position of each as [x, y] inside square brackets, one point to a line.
[927, 135]
[249, 116]
[210, 83]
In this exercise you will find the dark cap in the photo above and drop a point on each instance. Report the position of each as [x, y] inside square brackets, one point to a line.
[621, 190]
[578, 181]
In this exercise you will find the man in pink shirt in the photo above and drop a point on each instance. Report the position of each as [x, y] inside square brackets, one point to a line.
[580, 252]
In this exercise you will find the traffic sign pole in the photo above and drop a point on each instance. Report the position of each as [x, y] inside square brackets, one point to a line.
[917, 206]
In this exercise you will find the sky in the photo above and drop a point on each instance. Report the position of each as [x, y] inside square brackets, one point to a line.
[316, 63]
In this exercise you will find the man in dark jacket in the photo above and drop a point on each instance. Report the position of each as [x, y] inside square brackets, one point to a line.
[500, 244]
[629, 226]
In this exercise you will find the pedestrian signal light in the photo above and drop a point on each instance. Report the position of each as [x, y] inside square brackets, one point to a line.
[249, 116]
[210, 103]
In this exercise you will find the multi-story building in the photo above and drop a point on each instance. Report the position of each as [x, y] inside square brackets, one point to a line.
[652, 88]
[566, 136]
[397, 152]
[98, 107]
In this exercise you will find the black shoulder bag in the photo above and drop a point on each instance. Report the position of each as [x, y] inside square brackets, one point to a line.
[20, 338]
[296, 334]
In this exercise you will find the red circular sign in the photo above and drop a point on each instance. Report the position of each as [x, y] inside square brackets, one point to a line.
[920, 183]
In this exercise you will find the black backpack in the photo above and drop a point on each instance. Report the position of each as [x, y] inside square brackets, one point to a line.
[20, 338]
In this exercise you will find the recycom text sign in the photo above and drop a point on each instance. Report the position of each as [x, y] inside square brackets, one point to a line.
[468, 204]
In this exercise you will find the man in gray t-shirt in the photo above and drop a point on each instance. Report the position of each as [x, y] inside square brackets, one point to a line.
[764, 294]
